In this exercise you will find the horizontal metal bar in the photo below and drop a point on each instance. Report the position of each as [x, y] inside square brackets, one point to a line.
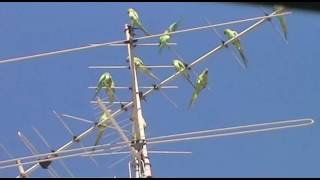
[139, 44]
[107, 102]
[127, 152]
[127, 67]
[140, 87]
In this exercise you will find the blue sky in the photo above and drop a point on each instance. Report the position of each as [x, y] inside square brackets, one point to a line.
[281, 83]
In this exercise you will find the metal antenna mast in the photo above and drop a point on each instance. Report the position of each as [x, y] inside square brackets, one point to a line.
[142, 167]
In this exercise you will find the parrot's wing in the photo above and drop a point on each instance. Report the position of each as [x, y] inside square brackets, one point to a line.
[135, 14]
[194, 98]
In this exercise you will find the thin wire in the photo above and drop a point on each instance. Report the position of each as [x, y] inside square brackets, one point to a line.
[77, 118]
[113, 133]
[42, 138]
[169, 99]
[63, 123]
[139, 38]
[33, 150]
[27, 143]
[72, 134]
[6, 151]
[52, 173]
[47, 144]
[120, 160]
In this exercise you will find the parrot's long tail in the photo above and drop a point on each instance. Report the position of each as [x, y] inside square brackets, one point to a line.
[110, 93]
[144, 30]
[243, 57]
[193, 99]
[284, 28]
[100, 134]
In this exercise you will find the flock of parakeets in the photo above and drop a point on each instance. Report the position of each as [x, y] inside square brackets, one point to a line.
[105, 80]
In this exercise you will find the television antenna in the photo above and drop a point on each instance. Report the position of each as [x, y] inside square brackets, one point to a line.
[137, 147]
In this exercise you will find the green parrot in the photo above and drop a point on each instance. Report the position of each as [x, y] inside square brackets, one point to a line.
[201, 83]
[102, 127]
[106, 81]
[180, 66]
[141, 67]
[136, 21]
[164, 39]
[231, 34]
[282, 21]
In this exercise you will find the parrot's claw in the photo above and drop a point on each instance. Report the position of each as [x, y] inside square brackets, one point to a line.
[187, 66]
[224, 44]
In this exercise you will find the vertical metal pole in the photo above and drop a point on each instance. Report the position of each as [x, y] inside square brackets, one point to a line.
[142, 168]
[21, 169]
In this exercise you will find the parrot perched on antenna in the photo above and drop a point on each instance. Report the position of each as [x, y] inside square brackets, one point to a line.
[135, 20]
[201, 83]
[180, 66]
[141, 67]
[164, 39]
[282, 21]
[106, 81]
[102, 127]
[236, 42]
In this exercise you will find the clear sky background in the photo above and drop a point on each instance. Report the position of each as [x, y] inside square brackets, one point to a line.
[281, 83]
